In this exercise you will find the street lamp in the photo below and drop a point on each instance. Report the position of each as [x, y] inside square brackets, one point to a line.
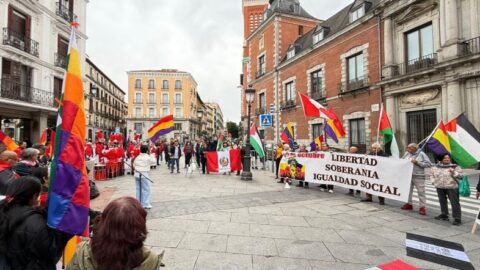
[246, 173]
[93, 92]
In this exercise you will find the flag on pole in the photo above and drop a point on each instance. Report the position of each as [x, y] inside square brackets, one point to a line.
[43, 137]
[164, 126]
[389, 141]
[464, 141]
[69, 192]
[287, 135]
[256, 142]
[312, 108]
[439, 142]
[317, 143]
[9, 143]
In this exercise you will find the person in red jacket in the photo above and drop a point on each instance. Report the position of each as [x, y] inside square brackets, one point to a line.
[99, 151]
[88, 150]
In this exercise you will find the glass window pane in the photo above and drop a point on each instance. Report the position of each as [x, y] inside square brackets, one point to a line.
[351, 69]
[426, 36]
[360, 68]
[361, 131]
[413, 46]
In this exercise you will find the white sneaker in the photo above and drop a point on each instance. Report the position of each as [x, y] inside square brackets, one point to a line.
[330, 191]
[322, 189]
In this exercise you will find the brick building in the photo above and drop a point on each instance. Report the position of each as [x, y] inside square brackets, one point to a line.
[336, 61]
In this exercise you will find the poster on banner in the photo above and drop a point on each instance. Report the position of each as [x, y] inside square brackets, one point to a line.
[380, 176]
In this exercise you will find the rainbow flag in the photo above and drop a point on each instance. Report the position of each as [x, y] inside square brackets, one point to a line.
[9, 143]
[162, 127]
[69, 192]
[439, 142]
[287, 135]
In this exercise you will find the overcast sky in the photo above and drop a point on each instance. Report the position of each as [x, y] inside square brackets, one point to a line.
[203, 37]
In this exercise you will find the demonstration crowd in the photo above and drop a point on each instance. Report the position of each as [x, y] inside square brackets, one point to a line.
[444, 175]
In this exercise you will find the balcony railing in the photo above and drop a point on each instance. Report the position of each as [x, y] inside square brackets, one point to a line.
[319, 95]
[165, 102]
[137, 101]
[353, 86]
[60, 60]
[64, 12]
[260, 110]
[19, 92]
[178, 102]
[21, 42]
[416, 65]
[151, 102]
[471, 46]
[259, 74]
[288, 104]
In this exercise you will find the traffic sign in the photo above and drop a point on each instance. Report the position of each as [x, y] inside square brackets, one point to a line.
[266, 120]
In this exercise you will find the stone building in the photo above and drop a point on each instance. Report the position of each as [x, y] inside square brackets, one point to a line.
[431, 68]
[33, 58]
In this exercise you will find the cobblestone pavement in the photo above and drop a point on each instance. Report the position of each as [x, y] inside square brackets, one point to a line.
[220, 222]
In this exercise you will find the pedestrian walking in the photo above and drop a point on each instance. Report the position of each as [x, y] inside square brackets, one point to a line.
[188, 150]
[420, 161]
[175, 154]
[445, 177]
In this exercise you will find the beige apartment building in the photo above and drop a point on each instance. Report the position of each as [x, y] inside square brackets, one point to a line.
[153, 94]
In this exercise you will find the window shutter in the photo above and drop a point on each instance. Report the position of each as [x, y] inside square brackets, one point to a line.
[10, 16]
[28, 25]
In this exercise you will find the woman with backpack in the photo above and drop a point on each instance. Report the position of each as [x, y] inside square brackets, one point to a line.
[26, 242]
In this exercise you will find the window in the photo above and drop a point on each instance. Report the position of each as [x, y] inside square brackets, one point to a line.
[151, 98]
[316, 130]
[151, 112]
[291, 53]
[420, 43]
[178, 112]
[138, 112]
[289, 92]
[177, 126]
[151, 84]
[165, 98]
[355, 68]
[300, 30]
[357, 13]
[178, 98]
[357, 134]
[138, 128]
[164, 111]
[138, 97]
[261, 101]
[178, 84]
[165, 84]
[138, 84]
[261, 42]
[316, 83]
[317, 37]
[261, 65]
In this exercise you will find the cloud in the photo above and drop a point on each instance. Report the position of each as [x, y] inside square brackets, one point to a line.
[201, 37]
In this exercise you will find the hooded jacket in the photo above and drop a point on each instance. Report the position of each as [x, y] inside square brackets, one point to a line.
[31, 244]
[83, 259]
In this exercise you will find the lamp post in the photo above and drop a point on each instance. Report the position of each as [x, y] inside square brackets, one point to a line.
[93, 92]
[246, 173]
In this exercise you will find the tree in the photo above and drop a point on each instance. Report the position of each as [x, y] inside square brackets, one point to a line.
[232, 128]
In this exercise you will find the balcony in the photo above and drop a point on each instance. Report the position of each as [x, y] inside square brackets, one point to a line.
[319, 96]
[13, 90]
[137, 101]
[260, 110]
[152, 102]
[165, 102]
[178, 102]
[288, 104]
[416, 65]
[259, 74]
[20, 42]
[471, 46]
[60, 60]
[64, 12]
[353, 87]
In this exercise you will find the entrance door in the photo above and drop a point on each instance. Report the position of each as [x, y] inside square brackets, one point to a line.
[420, 124]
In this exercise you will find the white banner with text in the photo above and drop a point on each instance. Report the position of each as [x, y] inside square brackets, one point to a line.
[380, 176]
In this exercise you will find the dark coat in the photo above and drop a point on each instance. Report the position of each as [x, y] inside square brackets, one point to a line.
[6, 176]
[23, 169]
[31, 243]
[171, 151]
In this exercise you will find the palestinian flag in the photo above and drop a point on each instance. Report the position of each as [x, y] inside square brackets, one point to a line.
[385, 129]
[255, 141]
[464, 141]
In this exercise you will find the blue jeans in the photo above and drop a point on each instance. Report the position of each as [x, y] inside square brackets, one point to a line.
[143, 189]
[174, 161]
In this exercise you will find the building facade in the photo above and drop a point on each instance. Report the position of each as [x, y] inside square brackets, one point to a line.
[105, 104]
[336, 62]
[431, 68]
[215, 118]
[153, 94]
[33, 59]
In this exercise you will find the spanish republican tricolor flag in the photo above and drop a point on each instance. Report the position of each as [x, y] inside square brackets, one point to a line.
[9, 143]
[69, 192]
[164, 126]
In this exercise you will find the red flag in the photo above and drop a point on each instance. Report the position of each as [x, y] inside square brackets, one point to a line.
[225, 161]
[43, 137]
